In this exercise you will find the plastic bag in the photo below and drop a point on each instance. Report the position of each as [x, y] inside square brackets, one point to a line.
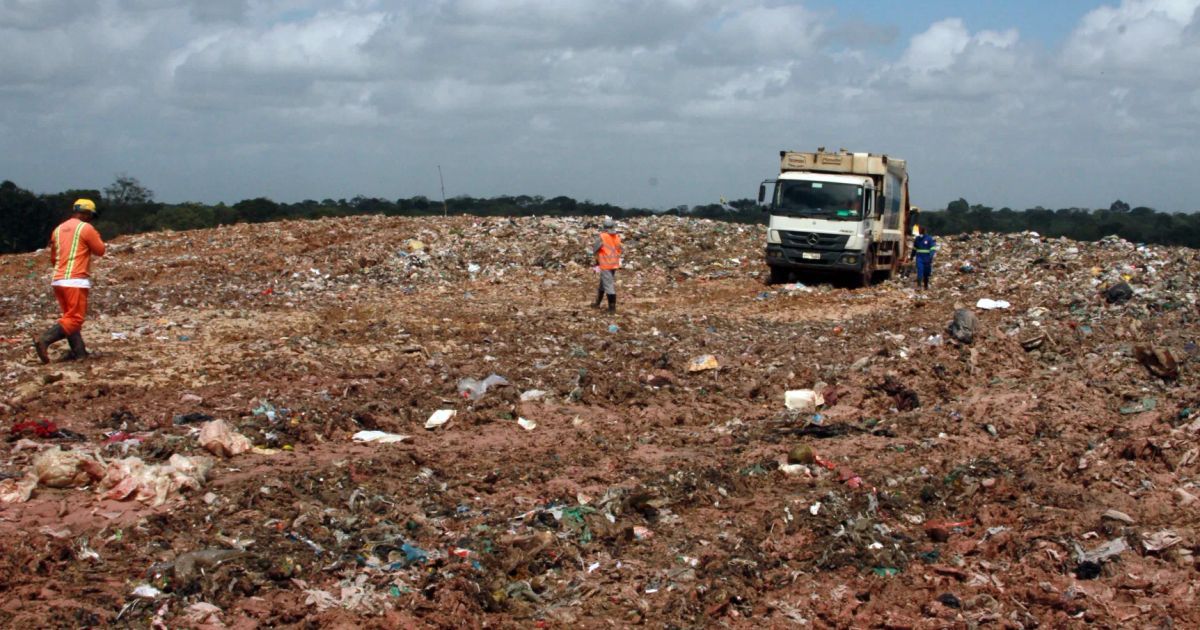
[131, 478]
[17, 490]
[963, 326]
[56, 468]
[218, 438]
[803, 400]
[381, 437]
[472, 389]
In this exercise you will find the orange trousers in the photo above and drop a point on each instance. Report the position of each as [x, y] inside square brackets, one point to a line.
[73, 303]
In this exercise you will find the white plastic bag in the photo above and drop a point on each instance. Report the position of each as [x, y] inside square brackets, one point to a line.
[803, 400]
[472, 389]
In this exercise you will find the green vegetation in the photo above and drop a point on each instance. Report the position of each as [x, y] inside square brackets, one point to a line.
[127, 207]
[1140, 224]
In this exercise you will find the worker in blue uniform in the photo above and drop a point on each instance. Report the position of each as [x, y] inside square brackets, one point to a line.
[924, 247]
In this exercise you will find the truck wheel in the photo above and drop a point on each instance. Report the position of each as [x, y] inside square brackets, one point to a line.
[865, 274]
[777, 275]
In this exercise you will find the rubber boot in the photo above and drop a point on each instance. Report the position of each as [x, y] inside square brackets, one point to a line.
[41, 345]
[612, 303]
[78, 350]
[599, 298]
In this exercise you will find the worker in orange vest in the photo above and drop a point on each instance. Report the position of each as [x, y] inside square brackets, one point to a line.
[607, 249]
[72, 245]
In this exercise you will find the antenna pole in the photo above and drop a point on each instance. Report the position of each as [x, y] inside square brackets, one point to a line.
[445, 211]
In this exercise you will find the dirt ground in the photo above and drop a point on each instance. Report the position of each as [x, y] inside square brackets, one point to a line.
[1043, 475]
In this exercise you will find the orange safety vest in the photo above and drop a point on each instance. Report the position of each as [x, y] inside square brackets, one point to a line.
[71, 248]
[609, 255]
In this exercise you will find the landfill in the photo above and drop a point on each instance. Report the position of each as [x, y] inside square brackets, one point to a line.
[381, 422]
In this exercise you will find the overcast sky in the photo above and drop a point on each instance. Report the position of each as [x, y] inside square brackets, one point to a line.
[1007, 103]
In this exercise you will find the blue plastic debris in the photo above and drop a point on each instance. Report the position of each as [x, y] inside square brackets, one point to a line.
[414, 555]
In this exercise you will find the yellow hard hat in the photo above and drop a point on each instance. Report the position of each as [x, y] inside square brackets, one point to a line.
[84, 205]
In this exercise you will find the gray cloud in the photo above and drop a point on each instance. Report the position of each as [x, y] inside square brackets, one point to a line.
[38, 15]
[294, 99]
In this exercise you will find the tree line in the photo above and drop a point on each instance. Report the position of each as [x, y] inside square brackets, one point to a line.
[1137, 224]
[128, 207]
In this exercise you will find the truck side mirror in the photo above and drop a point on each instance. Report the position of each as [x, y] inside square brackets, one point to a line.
[762, 192]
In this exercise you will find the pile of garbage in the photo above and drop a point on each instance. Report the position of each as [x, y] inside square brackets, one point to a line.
[431, 427]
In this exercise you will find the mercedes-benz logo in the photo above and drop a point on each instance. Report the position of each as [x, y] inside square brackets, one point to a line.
[813, 239]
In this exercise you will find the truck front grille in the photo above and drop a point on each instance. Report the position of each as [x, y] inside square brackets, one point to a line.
[813, 240]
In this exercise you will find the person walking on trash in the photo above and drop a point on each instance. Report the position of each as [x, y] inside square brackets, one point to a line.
[924, 247]
[607, 249]
[72, 245]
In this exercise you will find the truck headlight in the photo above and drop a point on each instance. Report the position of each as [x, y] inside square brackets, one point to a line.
[773, 236]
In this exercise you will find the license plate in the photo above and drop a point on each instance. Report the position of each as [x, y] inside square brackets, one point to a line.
[810, 255]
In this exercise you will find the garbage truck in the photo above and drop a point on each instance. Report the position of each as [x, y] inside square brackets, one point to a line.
[840, 212]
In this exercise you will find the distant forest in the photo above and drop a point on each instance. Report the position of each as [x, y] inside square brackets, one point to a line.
[128, 207]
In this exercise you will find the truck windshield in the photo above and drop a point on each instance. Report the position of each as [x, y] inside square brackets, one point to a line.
[820, 200]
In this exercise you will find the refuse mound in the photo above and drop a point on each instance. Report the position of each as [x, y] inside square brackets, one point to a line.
[421, 422]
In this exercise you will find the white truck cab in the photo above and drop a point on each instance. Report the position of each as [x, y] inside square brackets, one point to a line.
[837, 212]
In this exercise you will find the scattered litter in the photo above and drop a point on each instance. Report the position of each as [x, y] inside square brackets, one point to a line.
[1090, 562]
[192, 418]
[56, 468]
[1119, 293]
[532, 395]
[381, 437]
[1161, 540]
[219, 439]
[940, 530]
[1033, 343]
[17, 490]
[962, 327]
[988, 304]
[188, 566]
[950, 600]
[1146, 404]
[439, 417]
[472, 389]
[147, 591]
[44, 429]
[154, 484]
[703, 363]
[1160, 362]
[1114, 515]
[642, 477]
[203, 613]
[801, 454]
[803, 400]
